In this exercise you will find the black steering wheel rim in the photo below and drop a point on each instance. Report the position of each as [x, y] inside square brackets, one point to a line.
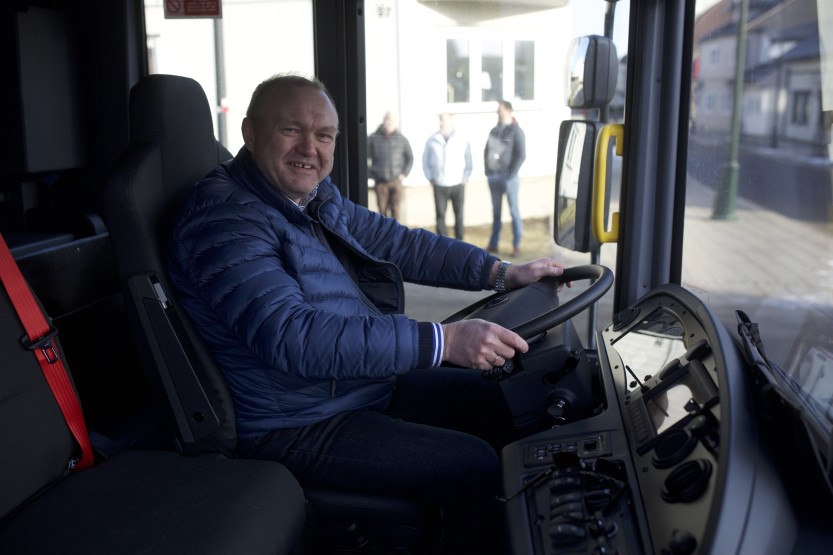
[603, 280]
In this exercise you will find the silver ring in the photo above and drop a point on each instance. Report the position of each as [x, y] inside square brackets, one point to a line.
[497, 356]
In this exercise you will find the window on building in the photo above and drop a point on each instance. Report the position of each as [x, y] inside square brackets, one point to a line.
[458, 70]
[524, 69]
[801, 108]
[491, 64]
[714, 57]
[498, 68]
[726, 101]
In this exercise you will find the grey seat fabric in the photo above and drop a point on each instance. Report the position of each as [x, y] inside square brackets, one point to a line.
[136, 502]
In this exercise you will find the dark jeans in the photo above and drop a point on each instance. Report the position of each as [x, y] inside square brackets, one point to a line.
[498, 186]
[389, 194]
[436, 443]
[457, 195]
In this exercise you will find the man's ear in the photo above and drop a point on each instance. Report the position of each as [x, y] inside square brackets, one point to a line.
[247, 128]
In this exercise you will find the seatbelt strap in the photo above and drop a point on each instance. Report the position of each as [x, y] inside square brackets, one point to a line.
[40, 339]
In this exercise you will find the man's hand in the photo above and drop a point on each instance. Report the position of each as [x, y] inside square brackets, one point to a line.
[519, 275]
[480, 344]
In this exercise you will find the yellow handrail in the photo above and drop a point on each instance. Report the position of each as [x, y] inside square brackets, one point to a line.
[617, 131]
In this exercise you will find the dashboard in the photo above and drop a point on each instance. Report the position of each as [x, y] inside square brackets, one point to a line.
[671, 462]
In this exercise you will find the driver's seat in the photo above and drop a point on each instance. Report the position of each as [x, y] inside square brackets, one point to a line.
[172, 146]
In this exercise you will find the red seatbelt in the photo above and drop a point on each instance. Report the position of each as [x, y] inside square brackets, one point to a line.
[39, 339]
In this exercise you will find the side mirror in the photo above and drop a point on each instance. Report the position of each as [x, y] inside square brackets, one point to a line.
[574, 185]
[592, 71]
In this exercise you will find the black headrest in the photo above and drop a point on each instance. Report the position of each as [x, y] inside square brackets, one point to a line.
[173, 113]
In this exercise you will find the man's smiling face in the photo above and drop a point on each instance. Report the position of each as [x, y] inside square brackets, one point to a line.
[292, 138]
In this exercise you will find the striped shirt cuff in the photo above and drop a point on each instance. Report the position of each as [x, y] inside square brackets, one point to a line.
[431, 344]
[439, 339]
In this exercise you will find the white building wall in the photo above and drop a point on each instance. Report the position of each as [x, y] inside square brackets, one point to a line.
[717, 58]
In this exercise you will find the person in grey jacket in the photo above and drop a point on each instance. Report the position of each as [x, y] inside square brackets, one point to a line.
[504, 153]
[299, 294]
[446, 163]
[390, 161]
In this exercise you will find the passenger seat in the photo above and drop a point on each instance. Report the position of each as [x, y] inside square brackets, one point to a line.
[136, 502]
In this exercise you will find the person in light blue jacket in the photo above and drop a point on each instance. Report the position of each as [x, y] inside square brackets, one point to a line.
[446, 163]
[299, 293]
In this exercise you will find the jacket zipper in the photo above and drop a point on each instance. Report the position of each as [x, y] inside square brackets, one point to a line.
[317, 230]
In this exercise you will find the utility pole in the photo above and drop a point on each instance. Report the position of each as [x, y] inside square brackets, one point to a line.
[727, 186]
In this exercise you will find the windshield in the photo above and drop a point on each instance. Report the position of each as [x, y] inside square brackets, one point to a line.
[758, 233]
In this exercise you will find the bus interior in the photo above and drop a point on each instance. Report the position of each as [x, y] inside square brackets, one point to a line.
[676, 399]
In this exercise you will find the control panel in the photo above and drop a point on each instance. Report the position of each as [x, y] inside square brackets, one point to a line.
[668, 464]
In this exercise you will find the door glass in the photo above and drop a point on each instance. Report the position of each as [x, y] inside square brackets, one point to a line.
[230, 55]
[759, 215]
[427, 57]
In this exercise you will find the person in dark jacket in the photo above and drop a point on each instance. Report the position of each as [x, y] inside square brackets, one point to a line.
[390, 161]
[504, 153]
[299, 293]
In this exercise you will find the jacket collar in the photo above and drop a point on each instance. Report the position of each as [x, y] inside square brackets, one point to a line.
[245, 172]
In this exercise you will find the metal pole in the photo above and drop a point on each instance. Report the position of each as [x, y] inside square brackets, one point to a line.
[220, 68]
[727, 187]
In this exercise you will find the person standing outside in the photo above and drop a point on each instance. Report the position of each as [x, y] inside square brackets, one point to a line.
[446, 163]
[391, 160]
[504, 153]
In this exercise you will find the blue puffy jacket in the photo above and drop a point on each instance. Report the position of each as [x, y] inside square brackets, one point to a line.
[298, 341]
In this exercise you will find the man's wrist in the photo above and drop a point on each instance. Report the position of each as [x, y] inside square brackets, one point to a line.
[500, 279]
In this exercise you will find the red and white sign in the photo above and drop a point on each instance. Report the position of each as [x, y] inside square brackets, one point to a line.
[193, 9]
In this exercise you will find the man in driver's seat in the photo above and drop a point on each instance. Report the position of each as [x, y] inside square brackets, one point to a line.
[298, 291]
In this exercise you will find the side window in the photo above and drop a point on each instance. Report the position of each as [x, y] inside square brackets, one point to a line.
[759, 206]
[230, 55]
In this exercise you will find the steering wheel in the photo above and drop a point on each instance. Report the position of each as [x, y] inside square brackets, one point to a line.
[534, 309]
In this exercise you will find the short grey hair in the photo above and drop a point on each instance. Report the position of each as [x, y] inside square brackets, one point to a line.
[284, 80]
